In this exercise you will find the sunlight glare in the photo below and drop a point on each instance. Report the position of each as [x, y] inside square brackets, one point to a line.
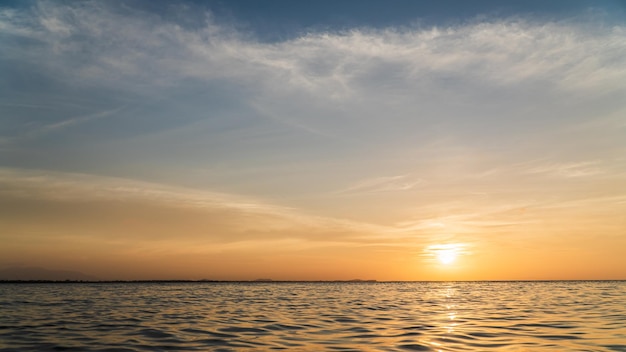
[447, 256]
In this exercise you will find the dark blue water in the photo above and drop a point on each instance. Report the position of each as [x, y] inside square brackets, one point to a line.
[464, 316]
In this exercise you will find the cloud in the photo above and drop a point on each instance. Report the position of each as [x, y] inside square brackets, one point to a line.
[114, 208]
[350, 88]
[383, 184]
[104, 44]
[456, 249]
[354, 86]
[42, 130]
[568, 170]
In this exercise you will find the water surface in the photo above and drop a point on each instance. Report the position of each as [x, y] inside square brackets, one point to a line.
[456, 316]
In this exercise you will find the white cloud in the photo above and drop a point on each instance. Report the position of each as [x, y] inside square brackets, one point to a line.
[502, 52]
[340, 85]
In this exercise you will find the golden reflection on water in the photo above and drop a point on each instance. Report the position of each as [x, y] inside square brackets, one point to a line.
[470, 316]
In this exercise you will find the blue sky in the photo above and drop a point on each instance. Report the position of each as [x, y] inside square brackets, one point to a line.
[391, 127]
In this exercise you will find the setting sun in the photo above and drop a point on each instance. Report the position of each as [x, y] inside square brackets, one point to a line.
[446, 256]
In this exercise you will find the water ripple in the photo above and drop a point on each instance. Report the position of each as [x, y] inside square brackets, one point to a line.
[479, 316]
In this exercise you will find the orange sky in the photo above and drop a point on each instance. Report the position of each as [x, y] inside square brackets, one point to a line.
[118, 229]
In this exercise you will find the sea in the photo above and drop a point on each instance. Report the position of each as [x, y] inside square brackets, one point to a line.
[314, 316]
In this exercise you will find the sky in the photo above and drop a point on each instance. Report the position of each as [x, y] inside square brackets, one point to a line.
[319, 140]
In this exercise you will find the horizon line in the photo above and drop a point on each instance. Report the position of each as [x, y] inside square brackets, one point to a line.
[262, 281]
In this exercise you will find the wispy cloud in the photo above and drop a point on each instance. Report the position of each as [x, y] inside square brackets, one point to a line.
[445, 251]
[230, 218]
[383, 184]
[568, 170]
[80, 119]
[348, 85]
[501, 52]
[38, 131]
[357, 87]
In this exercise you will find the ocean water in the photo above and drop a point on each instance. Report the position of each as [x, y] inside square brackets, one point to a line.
[450, 316]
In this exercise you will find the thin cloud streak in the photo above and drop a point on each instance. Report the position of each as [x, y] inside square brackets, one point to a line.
[579, 169]
[383, 184]
[239, 217]
[40, 131]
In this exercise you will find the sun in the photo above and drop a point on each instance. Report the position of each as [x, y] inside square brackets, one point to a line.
[446, 256]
